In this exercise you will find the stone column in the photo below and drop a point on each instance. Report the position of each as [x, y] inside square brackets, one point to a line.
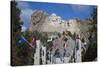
[43, 55]
[78, 51]
[37, 54]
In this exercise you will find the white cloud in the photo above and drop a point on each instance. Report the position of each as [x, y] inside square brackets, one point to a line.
[26, 15]
[26, 12]
[23, 28]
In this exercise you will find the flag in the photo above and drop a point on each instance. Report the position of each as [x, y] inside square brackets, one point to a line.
[33, 42]
[21, 41]
[65, 39]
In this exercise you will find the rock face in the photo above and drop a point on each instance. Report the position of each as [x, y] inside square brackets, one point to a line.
[52, 23]
[40, 21]
[37, 19]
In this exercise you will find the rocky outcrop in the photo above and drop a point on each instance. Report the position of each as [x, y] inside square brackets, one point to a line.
[40, 21]
[37, 20]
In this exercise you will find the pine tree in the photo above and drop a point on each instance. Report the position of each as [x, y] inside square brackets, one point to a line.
[91, 53]
[15, 32]
[19, 55]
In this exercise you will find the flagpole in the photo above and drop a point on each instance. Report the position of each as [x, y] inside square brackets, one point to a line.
[27, 41]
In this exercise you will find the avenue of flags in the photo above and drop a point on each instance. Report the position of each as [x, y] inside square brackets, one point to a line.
[52, 58]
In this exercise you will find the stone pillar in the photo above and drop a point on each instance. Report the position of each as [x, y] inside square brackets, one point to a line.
[51, 58]
[43, 55]
[78, 51]
[37, 54]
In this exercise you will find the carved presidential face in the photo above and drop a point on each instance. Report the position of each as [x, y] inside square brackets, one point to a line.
[36, 17]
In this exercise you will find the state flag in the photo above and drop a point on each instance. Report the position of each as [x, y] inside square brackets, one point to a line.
[21, 41]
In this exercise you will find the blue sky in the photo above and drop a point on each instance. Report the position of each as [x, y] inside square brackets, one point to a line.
[66, 11]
